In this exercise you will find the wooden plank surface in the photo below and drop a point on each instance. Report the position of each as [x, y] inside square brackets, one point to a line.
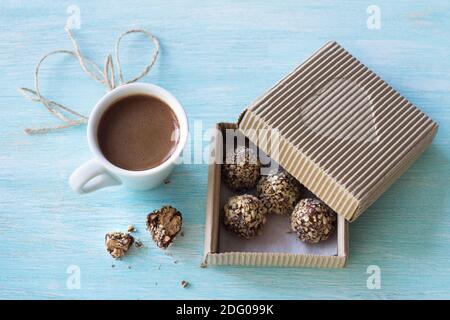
[216, 58]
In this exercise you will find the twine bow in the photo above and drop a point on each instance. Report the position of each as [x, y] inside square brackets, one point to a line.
[105, 76]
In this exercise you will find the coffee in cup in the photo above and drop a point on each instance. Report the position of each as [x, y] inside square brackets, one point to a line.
[138, 132]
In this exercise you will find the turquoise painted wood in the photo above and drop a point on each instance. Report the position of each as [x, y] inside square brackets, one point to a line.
[216, 58]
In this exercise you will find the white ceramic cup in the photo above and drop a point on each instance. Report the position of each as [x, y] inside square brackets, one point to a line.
[99, 173]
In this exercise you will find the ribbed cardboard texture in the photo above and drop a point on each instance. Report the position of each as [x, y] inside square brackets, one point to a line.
[342, 131]
[212, 256]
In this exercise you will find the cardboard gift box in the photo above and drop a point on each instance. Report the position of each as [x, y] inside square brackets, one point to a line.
[342, 132]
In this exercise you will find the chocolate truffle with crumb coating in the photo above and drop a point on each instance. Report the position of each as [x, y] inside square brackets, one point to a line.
[279, 192]
[313, 220]
[244, 215]
[241, 169]
[164, 225]
[118, 243]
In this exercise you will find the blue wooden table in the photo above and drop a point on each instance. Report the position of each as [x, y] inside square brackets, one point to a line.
[216, 57]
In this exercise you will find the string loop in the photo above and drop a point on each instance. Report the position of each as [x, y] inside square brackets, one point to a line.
[106, 77]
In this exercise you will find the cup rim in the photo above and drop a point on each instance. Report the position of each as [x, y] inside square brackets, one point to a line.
[126, 90]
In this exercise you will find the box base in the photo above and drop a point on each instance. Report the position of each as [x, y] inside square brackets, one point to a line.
[277, 246]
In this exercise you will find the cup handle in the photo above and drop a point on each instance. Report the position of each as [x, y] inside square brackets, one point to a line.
[91, 176]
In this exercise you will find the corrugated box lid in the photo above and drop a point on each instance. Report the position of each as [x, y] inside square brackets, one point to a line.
[339, 129]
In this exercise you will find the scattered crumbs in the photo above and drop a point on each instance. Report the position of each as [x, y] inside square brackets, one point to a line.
[129, 267]
[113, 266]
[156, 284]
[131, 228]
[167, 181]
[290, 231]
[203, 265]
[175, 261]
[159, 267]
[182, 234]
[138, 244]
[184, 283]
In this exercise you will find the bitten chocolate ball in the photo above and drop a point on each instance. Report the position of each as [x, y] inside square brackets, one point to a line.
[313, 220]
[241, 168]
[279, 192]
[164, 225]
[244, 215]
[118, 243]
